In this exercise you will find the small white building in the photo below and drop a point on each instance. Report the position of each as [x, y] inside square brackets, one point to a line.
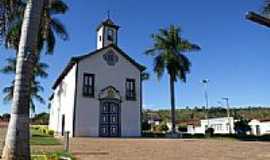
[100, 93]
[222, 125]
[259, 128]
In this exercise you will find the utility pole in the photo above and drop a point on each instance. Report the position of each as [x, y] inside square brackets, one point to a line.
[228, 113]
[205, 84]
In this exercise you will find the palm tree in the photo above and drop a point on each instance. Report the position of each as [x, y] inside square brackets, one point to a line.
[48, 28]
[17, 139]
[35, 89]
[39, 71]
[167, 50]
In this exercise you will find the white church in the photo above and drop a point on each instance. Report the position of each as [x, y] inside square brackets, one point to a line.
[99, 94]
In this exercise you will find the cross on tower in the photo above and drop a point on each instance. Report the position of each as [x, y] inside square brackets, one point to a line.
[109, 14]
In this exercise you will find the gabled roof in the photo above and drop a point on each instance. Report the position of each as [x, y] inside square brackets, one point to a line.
[75, 60]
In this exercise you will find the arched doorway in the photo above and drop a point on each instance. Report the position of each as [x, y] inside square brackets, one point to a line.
[110, 113]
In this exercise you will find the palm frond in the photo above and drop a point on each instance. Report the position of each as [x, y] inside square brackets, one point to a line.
[8, 93]
[159, 66]
[58, 7]
[266, 8]
[10, 68]
[13, 36]
[186, 46]
[59, 28]
[32, 106]
[39, 99]
[50, 40]
[167, 51]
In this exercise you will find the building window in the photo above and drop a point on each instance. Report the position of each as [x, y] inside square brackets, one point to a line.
[100, 38]
[110, 35]
[88, 85]
[130, 89]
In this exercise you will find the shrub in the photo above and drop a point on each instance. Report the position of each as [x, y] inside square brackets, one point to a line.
[153, 134]
[50, 132]
[6, 117]
[146, 126]
[182, 128]
[41, 119]
[241, 127]
[163, 127]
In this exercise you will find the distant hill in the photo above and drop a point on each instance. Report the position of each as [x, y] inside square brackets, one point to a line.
[261, 113]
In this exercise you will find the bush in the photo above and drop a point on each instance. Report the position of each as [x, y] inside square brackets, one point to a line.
[153, 134]
[6, 117]
[182, 128]
[50, 132]
[198, 135]
[41, 119]
[146, 126]
[162, 127]
[43, 130]
[209, 132]
[241, 127]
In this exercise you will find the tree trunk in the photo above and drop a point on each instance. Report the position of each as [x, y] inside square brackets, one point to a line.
[172, 104]
[17, 139]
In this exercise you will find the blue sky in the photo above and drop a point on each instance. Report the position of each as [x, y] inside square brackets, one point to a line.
[234, 57]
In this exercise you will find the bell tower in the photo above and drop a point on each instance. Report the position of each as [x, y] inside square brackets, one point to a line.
[107, 33]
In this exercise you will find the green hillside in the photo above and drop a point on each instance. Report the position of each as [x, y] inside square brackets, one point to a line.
[196, 113]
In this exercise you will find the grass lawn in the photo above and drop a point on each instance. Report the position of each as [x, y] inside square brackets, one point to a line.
[40, 144]
[39, 138]
[52, 156]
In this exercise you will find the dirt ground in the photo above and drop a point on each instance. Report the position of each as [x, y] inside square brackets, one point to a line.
[2, 137]
[161, 149]
[168, 149]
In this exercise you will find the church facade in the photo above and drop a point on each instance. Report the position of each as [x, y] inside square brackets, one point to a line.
[99, 94]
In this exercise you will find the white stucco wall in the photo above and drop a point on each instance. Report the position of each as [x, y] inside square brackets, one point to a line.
[63, 103]
[195, 129]
[103, 33]
[220, 125]
[100, 35]
[263, 127]
[87, 111]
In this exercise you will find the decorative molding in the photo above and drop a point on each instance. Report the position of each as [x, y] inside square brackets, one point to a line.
[109, 93]
[111, 58]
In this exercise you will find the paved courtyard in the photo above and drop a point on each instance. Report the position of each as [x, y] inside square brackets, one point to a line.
[168, 149]
[161, 149]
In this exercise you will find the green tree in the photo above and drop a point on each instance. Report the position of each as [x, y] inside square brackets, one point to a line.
[167, 50]
[41, 119]
[241, 127]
